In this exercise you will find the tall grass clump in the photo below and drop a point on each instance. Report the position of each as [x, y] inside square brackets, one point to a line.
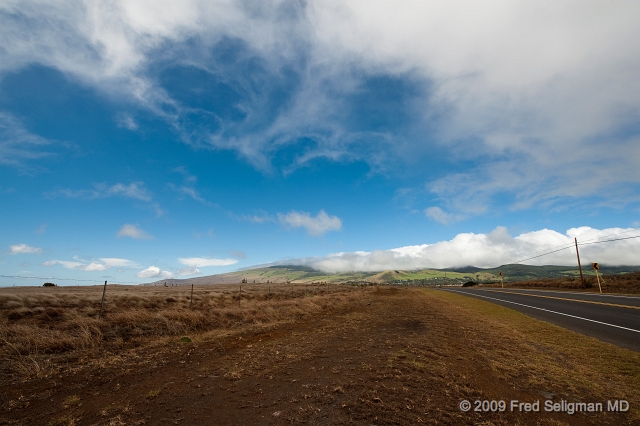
[42, 329]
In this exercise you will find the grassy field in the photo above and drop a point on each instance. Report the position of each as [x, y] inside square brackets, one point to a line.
[43, 328]
[323, 354]
[586, 362]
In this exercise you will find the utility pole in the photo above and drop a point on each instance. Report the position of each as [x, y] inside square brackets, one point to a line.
[579, 266]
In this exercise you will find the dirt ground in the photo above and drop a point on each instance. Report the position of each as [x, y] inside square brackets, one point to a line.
[393, 356]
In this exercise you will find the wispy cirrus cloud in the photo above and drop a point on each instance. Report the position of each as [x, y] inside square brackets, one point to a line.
[316, 226]
[134, 232]
[24, 249]
[189, 192]
[201, 262]
[127, 122]
[188, 177]
[527, 93]
[439, 215]
[118, 262]
[18, 146]
[259, 218]
[101, 264]
[134, 190]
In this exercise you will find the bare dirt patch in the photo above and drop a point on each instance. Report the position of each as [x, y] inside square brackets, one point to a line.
[376, 356]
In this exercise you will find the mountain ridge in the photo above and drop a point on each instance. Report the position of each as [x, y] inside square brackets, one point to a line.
[304, 274]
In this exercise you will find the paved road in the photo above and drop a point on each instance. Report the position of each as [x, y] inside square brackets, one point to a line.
[611, 318]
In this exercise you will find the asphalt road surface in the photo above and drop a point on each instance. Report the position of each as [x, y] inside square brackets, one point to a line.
[610, 318]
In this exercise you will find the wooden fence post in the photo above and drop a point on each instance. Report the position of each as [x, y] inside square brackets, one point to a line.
[104, 290]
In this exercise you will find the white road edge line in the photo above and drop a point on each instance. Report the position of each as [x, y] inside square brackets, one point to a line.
[547, 310]
[522, 290]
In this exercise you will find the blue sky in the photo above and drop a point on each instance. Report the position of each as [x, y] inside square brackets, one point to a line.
[143, 140]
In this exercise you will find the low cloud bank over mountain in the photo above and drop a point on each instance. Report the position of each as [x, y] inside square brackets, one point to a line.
[493, 249]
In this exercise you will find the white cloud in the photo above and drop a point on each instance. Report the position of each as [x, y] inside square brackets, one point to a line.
[127, 122]
[135, 190]
[188, 177]
[18, 145]
[132, 231]
[155, 272]
[530, 91]
[491, 250]
[188, 191]
[188, 271]
[315, 226]
[258, 218]
[24, 249]
[91, 266]
[114, 261]
[67, 264]
[200, 262]
[439, 215]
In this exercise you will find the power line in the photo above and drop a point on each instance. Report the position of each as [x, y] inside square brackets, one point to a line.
[555, 249]
[606, 241]
[610, 235]
[543, 254]
[560, 248]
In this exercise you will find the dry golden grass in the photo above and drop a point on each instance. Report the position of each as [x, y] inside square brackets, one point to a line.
[519, 349]
[621, 283]
[42, 328]
[386, 356]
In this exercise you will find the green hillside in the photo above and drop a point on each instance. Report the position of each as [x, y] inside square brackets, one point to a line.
[302, 275]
